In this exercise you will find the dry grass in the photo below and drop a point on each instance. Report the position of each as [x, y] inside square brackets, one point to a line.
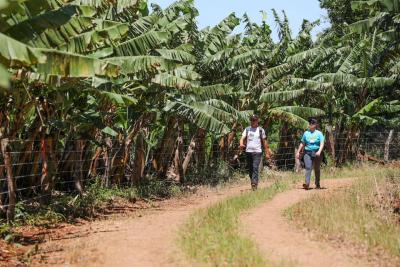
[364, 214]
[353, 171]
[212, 236]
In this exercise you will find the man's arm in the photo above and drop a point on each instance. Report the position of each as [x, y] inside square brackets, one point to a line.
[242, 145]
[268, 152]
[241, 142]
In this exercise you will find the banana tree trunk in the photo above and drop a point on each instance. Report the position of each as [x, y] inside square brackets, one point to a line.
[118, 164]
[214, 152]
[80, 149]
[232, 136]
[224, 147]
[330, 141]
[200, 153]
[19, 120]
[272, 161]
[94, 163]
[107, 148]
[350, 145]
[139, 159]
[66, 165]
[28, 149]
[232, 142]
[178, 158]
[284, 157]
[165, 152]
[3, 209]
[387, 145]
[35, 180]
[343, 148]
[12, 186]
[189, 154]
[24, 160]
[143, 122]
[48, 168]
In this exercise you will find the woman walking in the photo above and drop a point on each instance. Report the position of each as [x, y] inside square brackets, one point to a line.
[312, 142]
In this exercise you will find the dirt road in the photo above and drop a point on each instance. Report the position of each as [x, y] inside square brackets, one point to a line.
[150, 239]
[279, 240]
[144, 240]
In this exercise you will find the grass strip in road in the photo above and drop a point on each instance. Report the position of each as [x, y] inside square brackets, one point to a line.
[366, 214]
[212, 236]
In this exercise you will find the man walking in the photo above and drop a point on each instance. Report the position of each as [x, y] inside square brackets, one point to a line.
[254, 140]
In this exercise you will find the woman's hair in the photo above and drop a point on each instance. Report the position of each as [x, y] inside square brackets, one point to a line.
[313, 120]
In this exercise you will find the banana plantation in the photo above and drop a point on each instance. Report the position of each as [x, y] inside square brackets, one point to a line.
[122, 91]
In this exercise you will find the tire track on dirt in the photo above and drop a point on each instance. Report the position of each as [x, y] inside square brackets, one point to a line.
[282, 243]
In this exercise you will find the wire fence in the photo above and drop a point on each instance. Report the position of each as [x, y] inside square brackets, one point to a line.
[34, 170]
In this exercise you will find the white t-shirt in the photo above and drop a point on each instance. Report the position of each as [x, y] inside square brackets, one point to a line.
[253, 139]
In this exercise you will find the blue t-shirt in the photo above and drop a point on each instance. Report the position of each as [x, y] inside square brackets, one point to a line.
[312, 140]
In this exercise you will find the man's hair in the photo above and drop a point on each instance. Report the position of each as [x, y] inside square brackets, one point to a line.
[313, 121]
[254, 117]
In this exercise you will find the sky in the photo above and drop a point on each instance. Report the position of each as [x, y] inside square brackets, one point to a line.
[212, 12]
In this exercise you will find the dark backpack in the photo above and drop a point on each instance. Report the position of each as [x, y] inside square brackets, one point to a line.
[261, 137]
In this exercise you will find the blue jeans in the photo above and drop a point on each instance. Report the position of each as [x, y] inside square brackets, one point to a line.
[253, 163]
[309, 163]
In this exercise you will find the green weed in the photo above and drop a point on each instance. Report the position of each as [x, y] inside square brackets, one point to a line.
[212, 236]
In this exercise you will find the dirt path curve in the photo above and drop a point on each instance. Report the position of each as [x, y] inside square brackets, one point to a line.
[148, 240]
[281, 242]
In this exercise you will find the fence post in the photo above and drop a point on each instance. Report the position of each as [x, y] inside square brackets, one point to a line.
[12, 187]
[387, 145]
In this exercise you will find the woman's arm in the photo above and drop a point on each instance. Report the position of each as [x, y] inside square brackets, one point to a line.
[321, 147]
[301, 146]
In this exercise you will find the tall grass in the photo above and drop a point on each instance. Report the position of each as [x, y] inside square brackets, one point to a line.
[363, 214]
[351, 171]
[212, 236]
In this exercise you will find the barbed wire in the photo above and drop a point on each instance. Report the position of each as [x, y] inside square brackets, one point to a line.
[188, 138]
[38, 168]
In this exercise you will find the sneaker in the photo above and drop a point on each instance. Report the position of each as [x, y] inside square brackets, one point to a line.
[254, 187]
[306, 186]
[318, 187]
